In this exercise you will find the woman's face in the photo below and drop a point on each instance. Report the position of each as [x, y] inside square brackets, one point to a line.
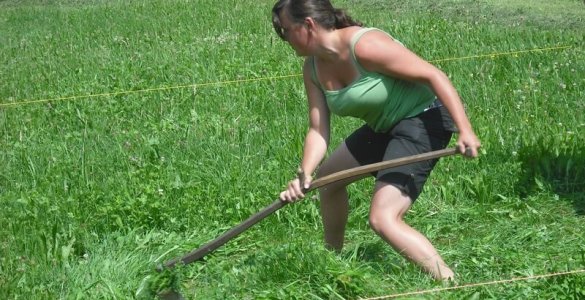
[296, 34]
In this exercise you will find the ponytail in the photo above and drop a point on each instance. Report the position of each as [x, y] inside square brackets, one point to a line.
[343, 20]
[322, 11]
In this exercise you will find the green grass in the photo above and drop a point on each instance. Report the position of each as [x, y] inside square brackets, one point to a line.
[95, 191]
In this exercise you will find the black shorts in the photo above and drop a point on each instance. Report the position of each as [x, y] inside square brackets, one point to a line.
[429, 131]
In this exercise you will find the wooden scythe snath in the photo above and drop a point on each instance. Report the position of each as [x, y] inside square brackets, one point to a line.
[200, 252]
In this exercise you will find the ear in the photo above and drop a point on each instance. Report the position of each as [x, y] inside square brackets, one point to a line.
[310, 24]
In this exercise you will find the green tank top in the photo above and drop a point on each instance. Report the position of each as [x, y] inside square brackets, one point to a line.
[380, 100]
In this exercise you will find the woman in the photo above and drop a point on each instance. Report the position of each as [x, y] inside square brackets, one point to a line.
[363, 72]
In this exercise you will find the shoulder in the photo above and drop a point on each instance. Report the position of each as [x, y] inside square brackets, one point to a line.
[348, 33]
[377, 46]
[375, 40]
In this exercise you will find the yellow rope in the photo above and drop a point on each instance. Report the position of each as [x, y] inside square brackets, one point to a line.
[494, 55]
[197, 85]
[475, 285]
[163, 88]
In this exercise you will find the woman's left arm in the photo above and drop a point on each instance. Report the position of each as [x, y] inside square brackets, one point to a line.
[378, 52]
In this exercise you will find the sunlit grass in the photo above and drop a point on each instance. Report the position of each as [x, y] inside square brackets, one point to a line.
[94, 192]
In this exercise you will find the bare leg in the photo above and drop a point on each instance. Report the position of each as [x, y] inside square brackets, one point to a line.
[389, 205]
[334, 200]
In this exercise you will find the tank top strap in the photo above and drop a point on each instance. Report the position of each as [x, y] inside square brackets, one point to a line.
[314, 73]
[355, 38]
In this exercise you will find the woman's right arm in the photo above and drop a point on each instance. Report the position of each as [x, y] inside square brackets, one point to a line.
[317, 138]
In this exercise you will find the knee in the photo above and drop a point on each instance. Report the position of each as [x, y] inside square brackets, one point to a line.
[382, 222]
[376, 221]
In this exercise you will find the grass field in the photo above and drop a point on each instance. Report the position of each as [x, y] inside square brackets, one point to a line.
[134, 131]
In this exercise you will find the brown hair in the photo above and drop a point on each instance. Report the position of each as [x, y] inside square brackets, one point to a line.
[322, 11]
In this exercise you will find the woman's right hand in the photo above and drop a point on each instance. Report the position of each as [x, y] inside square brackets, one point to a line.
[294, 191]
[468, 144]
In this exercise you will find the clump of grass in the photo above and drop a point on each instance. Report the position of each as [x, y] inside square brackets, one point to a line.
[166, 281]
[555, 162]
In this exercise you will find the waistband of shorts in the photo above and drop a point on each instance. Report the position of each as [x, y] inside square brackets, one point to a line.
[435, 104]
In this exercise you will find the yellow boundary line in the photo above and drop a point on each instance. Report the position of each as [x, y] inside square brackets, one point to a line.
[494, 55]
[475, 285]
[197, 85]
[163, 88]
